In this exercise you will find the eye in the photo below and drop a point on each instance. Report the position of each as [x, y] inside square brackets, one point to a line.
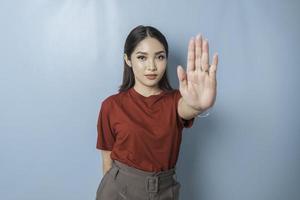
[161, 57]
[141, 57]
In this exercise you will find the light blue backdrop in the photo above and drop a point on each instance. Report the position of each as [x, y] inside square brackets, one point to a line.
[60, 58]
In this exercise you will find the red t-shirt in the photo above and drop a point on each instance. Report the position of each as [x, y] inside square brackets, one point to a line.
[142, 132]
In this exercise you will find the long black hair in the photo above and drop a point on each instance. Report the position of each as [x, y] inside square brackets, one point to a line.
[135, 36]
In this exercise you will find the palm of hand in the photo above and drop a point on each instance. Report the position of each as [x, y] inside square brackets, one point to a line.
[198, 85]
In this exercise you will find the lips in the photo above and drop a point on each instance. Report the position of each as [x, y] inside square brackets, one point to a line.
[151, 77]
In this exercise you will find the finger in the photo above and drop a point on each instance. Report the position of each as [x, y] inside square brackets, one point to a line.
[191, 56]
[198, 51]
[213, 67]
[205, 56]
[181, 76]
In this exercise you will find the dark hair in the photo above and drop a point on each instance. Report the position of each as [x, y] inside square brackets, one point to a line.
[135, 36]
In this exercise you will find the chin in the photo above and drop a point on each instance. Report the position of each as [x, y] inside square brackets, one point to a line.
[153, 84]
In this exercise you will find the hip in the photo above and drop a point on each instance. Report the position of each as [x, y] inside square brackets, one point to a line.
[125, 182]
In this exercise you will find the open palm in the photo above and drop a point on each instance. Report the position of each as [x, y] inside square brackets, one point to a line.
[198, 85]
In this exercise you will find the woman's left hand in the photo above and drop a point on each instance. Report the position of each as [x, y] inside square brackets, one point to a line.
[198, 85]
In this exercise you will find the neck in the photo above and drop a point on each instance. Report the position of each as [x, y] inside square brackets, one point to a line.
[147, 91]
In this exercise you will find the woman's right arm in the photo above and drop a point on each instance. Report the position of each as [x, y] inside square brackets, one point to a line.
[106, 160]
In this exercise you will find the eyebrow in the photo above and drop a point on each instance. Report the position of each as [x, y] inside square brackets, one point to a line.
[147, 53]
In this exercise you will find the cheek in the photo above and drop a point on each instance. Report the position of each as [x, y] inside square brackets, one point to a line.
[161, 62]
[138, 64]
[162, 65]
[138, 68]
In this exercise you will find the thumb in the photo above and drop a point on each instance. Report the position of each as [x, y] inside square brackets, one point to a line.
[181, 76]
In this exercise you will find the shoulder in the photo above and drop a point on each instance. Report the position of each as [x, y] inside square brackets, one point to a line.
[175, 93]
[170, 96]
[170, 92]
[113, 99]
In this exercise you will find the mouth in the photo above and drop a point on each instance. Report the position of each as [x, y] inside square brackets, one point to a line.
[151, 77]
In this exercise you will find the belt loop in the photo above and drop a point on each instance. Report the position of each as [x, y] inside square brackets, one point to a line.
[114, 171]
[175, 176]
[149, 181]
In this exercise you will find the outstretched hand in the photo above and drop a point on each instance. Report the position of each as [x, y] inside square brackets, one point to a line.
[198, 84]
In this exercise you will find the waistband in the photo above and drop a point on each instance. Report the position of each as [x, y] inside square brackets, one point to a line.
[140, 172]
[153, 181]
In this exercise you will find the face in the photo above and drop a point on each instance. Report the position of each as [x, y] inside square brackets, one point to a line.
[149, 57]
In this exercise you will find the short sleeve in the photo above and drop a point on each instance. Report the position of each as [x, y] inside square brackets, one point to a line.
[106, 137]
[183, 122]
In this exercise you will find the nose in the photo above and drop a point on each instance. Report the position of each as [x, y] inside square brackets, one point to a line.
[151, 65]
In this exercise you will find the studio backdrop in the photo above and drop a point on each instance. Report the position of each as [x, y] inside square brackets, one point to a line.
[59, 59]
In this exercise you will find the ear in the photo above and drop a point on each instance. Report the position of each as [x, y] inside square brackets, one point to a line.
[128, 62]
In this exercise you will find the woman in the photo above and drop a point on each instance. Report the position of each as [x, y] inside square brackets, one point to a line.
[139, 128]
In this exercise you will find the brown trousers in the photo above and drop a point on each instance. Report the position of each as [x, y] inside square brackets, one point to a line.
[122, 182]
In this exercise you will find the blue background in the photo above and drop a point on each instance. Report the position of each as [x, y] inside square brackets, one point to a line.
[60, 58]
